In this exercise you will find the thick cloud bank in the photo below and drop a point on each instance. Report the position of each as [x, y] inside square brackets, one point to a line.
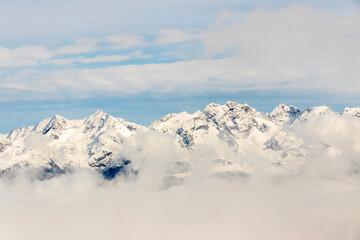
[83, 206]
[303, 183]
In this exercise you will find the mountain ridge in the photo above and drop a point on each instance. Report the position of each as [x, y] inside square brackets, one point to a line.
[100, 141]
[354, 111]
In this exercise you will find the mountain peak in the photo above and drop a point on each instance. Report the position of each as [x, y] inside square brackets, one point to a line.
[285, 113]
[314, 112]
[211, 106]
[352, 111]
[231, 103]
[283, 108]
[318, 110]
[57, 123]
[58, 118]
[100, 113]
[97, 118]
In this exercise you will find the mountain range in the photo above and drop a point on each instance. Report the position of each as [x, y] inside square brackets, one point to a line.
[225, 137]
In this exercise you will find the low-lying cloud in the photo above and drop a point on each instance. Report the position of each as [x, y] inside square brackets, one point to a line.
[83, 206]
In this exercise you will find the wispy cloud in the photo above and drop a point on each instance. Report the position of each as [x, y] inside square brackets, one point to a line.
[295, 41]
[39, 55]
[82, 45]
[98, 59]
[124, 40]
[172, 35]
[23, 56]
[296, 47]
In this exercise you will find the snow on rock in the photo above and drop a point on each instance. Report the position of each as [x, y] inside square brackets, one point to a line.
[227, 122]
[57, 144]
[285, 114]
[355, 112]
[232, 134]
[313, 112]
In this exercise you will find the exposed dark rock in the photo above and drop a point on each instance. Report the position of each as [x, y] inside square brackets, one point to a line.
[188, 139]
[51, 171]
[102, 161]
[121, 168]
[130, 128]
[4, 145]
[206, 127]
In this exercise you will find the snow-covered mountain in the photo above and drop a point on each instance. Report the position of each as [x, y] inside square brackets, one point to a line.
[232, 133]
[228, 122]
[57, 145]
[352, 111]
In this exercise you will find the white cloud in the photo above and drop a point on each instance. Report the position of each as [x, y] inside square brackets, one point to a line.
[115, 58]
[98, 59]
[43, 20]
[125, 40]
[23, 56]
[197, 76]
[36, 55]
[293, 48]
[64, 61]
[192, 76]
[295, 41]
[138, 54]
[82, 45]
[103, 58]
[172, 35]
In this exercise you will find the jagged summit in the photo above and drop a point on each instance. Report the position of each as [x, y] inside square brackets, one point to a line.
[285, 113]
[97, 119]
[314, 112]
[98, 114]
[57, 123]
[352, 111]
[228, 106]
[228, 122]
[232, 105]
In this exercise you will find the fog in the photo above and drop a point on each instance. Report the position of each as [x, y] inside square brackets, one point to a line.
[317, 200]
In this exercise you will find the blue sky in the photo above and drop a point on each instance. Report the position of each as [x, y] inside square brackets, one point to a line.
[141, 60]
